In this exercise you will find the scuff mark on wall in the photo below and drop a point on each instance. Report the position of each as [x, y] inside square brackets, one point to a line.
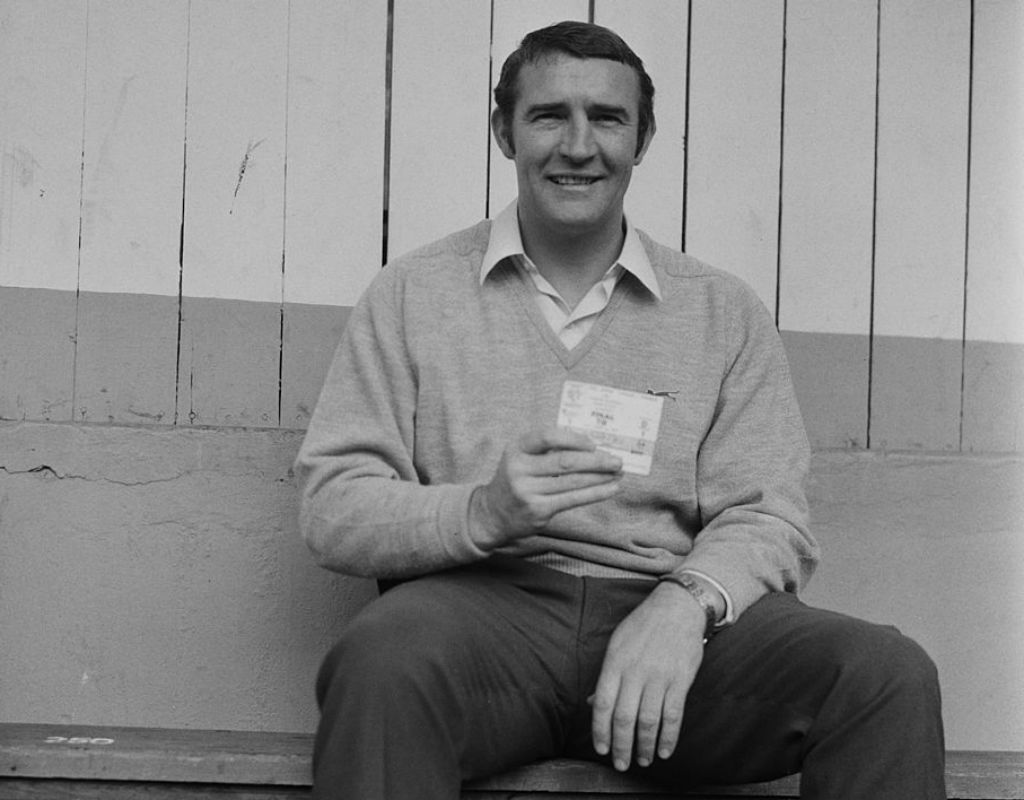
[242, 168]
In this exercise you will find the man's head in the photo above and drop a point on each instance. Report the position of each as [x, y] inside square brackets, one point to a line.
[575, 115]
[577, 40]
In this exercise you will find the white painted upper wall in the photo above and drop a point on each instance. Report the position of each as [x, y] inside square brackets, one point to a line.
[335, 180]
[995, 255]
[825, 236]
[855, 169]
[133, 145]
[42, 74]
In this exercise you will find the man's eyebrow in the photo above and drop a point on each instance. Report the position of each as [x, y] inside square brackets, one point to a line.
[540, 108]
[608, 108]
[600, 108]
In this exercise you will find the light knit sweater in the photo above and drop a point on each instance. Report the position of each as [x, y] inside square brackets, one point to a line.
[437, 372]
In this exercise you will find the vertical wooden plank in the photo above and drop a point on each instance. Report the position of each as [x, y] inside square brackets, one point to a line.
[42, 78]
[657, 32]
[131, 220]
[924, 64]
[513, 19]
[439, 127]
[335, 184]
[732, 201]
[234, 213]
[994, 350]
[42, 69]
[37, 329]
[310, 336]
[825, 237]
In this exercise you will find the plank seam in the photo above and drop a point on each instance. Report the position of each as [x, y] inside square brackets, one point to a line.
[874, 227]
[967, 230]
[782, 158]
[389, 60]
[181, 229]
[81, 218]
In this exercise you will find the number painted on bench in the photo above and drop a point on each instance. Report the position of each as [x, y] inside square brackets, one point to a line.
[77, 740]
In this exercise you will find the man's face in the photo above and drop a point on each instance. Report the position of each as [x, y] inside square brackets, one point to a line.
[573, 137]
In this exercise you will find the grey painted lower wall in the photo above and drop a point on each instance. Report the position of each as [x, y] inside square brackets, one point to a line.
[143, 359]
[154, 576]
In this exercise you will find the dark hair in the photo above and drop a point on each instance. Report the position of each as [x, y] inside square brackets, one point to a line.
[579, 40]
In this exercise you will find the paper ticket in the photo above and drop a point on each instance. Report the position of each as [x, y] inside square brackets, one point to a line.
[621, 422]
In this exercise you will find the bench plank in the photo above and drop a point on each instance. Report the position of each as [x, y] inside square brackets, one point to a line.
[567, 775]
[61, 762]
[154, 754]
[38, 789]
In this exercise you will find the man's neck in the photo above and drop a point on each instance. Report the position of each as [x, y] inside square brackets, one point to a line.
[572, 263]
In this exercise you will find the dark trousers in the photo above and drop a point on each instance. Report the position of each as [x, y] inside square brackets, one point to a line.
[472, 671]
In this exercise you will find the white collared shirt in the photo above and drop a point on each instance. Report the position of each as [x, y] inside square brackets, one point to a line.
[569, 324]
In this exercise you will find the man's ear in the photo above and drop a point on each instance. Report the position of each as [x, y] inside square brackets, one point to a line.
[502, 134]
[642, 149]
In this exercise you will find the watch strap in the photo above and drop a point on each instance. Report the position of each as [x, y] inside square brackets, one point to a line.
[698, 593]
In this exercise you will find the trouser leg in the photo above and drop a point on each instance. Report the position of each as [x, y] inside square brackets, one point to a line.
[446, 678]
[853, 705]
[474, 671]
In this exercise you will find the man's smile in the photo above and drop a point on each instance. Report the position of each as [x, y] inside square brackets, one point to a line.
[574, 180]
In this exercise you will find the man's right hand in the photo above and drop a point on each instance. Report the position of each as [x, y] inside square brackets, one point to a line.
[545, 472]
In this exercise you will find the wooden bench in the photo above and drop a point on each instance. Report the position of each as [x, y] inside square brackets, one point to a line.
[60, 762]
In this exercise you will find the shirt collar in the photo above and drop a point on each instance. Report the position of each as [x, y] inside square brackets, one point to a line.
[506, 241]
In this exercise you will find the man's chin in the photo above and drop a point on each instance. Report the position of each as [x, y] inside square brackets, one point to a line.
[577, 222]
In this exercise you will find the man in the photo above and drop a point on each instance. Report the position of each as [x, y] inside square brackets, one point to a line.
[633, 604]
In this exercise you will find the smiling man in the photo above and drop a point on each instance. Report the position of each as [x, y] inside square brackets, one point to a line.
[574, 457]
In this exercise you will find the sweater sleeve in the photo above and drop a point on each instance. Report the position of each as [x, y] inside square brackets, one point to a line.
[363, 509]
[751, 469]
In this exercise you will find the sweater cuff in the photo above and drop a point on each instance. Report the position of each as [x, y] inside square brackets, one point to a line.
[454, 525]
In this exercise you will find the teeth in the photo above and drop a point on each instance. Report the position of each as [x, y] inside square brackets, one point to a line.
[572, 180]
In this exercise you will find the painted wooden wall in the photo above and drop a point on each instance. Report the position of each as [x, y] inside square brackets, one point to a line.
[193, 193]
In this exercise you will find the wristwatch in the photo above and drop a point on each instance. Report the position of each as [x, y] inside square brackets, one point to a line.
[698, 593]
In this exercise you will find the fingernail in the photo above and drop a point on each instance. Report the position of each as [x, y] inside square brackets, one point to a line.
[643, 762]
[621, 765]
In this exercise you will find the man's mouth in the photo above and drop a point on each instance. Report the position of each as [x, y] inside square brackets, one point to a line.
[573, 180]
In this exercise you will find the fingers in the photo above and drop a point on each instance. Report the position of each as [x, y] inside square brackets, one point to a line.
[555, 470]
[623, 718]
[545, 473]
[636, 723]
[542, 440]
[557, 452]
[543, 497]
[563, 450]
[671, 721]
[649, 722]
[649, 666]
[603, 703]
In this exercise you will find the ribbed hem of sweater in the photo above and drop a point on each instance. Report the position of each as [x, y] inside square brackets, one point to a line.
[585, 569]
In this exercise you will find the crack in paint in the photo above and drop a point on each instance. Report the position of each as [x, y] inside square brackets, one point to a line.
[50, 472]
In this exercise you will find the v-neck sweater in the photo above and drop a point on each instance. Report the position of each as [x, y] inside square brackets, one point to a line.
[437, 372]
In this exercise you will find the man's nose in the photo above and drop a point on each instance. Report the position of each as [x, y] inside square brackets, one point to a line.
[578, 139]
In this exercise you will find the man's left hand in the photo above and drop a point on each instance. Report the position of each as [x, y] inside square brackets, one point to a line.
[651, 662]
